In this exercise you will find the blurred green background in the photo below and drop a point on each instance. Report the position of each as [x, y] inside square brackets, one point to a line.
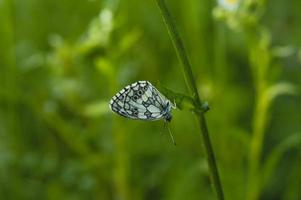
[61, 61]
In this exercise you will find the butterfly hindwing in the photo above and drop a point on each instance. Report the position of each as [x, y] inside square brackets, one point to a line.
[140, 100]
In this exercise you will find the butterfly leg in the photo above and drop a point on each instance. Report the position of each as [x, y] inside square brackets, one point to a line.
[171, 136]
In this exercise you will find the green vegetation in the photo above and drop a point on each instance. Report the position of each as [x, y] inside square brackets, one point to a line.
[62, 61]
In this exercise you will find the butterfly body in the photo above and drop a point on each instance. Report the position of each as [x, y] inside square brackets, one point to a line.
[141, 100]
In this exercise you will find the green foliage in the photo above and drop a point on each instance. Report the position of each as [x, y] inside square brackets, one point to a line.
[62, 61]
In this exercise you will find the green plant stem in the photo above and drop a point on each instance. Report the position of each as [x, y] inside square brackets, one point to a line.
[259, 68]
[260, 120]
[190, 81]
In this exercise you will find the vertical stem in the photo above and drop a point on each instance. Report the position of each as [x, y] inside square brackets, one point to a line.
[259, 60]
[210, 157]
[260, 118]
[190, 81]
[179, 47]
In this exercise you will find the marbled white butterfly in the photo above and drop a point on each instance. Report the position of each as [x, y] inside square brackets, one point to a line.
[141, 100]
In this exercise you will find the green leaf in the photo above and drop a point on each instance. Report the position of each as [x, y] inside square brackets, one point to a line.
[279, 89]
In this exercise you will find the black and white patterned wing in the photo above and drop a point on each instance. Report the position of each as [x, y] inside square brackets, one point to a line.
[140, 100]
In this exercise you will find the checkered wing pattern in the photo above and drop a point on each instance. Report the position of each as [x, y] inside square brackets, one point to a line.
[140, 100]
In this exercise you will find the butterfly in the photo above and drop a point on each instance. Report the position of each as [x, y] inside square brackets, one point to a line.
[142, 101]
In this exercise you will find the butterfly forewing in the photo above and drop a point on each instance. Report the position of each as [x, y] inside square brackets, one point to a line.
[140, 100]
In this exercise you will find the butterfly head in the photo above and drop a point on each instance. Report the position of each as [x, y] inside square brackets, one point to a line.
[168, 116]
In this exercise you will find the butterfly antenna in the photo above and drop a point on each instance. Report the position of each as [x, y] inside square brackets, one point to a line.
[171, 136]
